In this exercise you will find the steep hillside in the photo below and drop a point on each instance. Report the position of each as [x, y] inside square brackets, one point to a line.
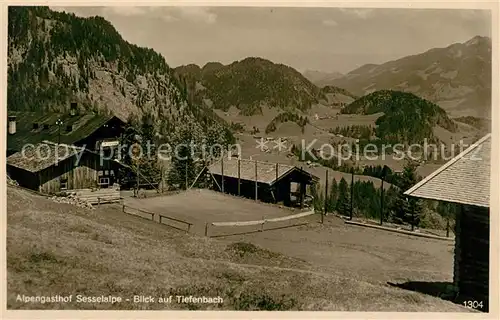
[55, 58]
[407, 118]
[248, 85]
[457, 77]
[319, 77]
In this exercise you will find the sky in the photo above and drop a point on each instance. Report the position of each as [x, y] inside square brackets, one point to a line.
[323, 39]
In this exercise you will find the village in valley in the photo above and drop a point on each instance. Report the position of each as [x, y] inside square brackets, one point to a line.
[243, 185]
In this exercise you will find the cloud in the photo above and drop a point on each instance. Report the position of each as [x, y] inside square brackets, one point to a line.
[166, 13]
[127, 10]
[330, 23]
[357, 12]
[198, 14]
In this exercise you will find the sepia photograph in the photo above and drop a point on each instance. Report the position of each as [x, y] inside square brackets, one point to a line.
[250, 158]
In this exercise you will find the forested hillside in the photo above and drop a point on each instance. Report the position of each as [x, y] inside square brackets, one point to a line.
[249, 84]
[55, 58]
[407, 118]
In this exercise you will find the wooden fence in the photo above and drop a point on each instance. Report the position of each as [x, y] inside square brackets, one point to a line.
[160, 218]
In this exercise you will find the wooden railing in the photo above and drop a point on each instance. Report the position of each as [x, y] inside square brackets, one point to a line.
[161, 217]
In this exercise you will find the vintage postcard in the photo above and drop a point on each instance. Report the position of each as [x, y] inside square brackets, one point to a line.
[251, 157]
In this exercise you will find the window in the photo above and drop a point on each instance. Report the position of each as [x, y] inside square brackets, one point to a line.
[104, 182]
[111, 172]
[100, 173]
[63, 183]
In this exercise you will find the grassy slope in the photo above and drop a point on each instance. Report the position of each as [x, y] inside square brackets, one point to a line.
[59, 249]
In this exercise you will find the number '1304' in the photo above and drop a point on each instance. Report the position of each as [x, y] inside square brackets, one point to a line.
[473, 304]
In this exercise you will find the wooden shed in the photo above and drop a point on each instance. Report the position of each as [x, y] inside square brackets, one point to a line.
[49, 168]
[264, 181]
[465, 180]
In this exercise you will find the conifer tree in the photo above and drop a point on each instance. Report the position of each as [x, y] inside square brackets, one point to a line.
[407, 209]
[332, 196]
[343, 198]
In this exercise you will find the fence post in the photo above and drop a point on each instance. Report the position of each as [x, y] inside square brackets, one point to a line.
[326, 193]
[222, 171]
[239, 177]
[98, 201]
[352, 194]
[186, 174]
[256, 183]
[447, 225]
[262, 225]
[189, 228]
[206, 229]
[123, 208]
[382, 202]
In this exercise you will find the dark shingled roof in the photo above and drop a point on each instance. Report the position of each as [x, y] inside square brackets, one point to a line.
[464, 179]
[266, 171]
[82, 126]
[41, 156]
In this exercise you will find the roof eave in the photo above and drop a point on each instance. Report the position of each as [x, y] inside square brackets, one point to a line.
[445, 166]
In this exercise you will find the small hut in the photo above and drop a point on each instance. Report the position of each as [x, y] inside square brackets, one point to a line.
[264, 181]
[465, 180]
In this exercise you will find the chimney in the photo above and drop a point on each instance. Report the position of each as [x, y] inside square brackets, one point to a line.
[12, 124]
[73, 109]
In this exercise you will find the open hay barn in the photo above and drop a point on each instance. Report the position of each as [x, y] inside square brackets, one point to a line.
[264, 181]
[465, 180]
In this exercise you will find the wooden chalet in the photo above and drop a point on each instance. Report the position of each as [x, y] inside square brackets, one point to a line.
[50, 168]
[90, 131]
[265, 181]
[465, 180]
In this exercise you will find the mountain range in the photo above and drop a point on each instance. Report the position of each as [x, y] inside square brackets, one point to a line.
[55, 58]
[320, 78]
[457, 78]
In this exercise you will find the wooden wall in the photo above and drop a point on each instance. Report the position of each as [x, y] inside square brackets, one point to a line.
[471, 265]
[25, 178]
[80, 175]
